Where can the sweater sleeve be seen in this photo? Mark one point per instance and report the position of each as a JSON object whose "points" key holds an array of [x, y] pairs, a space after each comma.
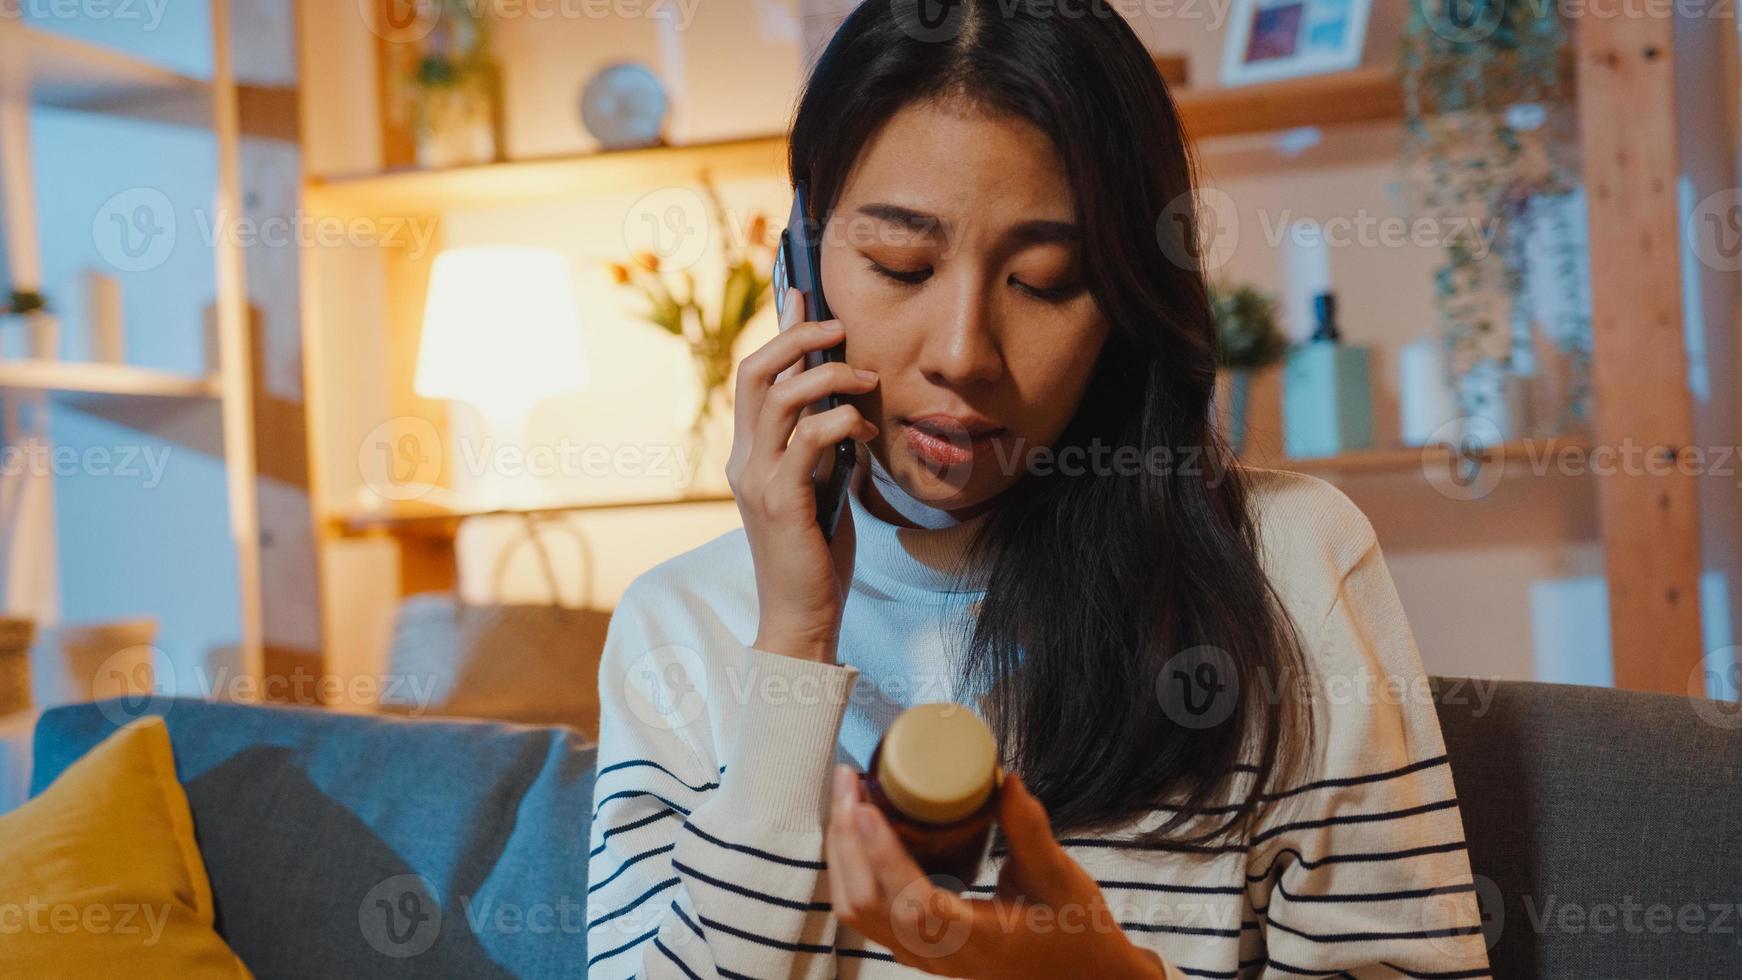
{"points": [[1362, 870], [703, 866]]}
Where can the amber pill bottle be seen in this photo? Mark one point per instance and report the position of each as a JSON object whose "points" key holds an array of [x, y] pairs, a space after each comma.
{"points": [[935, 776]]}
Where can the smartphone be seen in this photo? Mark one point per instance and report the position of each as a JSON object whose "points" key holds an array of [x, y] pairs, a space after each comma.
{"points": [[798, 264]]}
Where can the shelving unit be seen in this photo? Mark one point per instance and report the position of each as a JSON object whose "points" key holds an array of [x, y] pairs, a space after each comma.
{"points": [[49, 69], [1624, 79], [113, 380], [194, 420], [1356, 96]]}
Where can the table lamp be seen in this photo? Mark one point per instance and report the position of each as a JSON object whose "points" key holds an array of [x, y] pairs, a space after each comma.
{"points": [[501, 330]]}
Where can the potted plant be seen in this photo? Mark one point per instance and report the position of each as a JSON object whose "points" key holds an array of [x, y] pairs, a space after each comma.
{"points": [[712, 334], [29, 310], [1249, 339], [454, 89]]}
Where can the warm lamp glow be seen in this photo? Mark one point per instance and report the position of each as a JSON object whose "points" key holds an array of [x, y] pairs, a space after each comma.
{"points": [[501, 329]]}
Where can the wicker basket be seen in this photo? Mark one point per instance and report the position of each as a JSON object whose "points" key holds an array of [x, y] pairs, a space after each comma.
{"points": [[15, 634], [93, 661], [520, 662]]}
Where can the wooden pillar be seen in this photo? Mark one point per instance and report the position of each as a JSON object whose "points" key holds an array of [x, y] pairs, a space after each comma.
{"points": [[1651, 523]]}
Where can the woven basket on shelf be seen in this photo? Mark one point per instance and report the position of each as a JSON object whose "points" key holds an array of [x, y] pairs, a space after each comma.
{"points": [[93, 661], [520, 662], [15, 633]]}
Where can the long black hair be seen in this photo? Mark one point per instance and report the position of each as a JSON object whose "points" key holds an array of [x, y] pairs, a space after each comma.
{"points": [[1129, 642]]}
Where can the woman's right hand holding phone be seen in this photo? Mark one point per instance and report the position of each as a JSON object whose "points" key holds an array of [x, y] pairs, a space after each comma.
{"points": [[801, 579]]}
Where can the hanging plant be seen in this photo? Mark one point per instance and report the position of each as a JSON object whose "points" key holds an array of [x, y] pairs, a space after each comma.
{"points": [[1488, 120]]}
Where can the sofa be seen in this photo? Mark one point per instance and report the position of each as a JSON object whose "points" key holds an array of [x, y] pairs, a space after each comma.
{"points": [[1604, 829]]}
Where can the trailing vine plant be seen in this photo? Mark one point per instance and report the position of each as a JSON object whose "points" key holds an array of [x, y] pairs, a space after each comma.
{"points": [[1490, 153]]}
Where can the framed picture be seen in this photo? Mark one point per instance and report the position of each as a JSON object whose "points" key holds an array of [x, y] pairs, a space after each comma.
{"points": [[1271, 39]]}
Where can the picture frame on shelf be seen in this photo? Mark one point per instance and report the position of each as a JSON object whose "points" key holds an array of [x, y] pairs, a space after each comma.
{"points": [[1269, 40]]}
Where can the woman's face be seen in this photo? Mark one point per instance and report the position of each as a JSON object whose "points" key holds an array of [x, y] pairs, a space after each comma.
{"points": [[953, 259]]}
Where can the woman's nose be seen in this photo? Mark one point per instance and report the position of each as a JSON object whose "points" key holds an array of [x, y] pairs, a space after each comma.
{"points": [[962, 349]]}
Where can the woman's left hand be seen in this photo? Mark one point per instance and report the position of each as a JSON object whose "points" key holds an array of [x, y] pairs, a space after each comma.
{"points": [[1047, 918]]}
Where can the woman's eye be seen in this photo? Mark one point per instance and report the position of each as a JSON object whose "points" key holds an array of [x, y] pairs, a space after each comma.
{"points": [[1051, 294], [910, 278]]}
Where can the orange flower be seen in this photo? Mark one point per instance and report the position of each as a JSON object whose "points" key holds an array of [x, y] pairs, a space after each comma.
{"points": [[758, 229], [620, 273], [648, 261]]}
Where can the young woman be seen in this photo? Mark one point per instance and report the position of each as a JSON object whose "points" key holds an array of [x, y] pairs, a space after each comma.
{"points": [[1224, 761]]}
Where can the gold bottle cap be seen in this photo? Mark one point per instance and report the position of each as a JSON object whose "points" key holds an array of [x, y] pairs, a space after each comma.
{"points": [[938, 763]]}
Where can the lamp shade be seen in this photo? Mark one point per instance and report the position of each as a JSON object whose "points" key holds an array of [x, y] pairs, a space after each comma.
{"points": [[501, 329]]}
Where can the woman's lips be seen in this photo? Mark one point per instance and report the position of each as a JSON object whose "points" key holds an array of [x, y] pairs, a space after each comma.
{"points": [[951, 449]]}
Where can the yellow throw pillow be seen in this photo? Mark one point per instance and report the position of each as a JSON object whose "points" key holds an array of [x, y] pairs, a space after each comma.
{"points": [[100, 875]]}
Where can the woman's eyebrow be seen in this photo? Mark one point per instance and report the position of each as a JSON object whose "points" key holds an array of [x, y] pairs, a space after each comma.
{"points": [[1034, 232]]}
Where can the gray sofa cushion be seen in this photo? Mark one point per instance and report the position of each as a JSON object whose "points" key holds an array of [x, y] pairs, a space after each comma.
{"points": [[1607, 824], [344, 846]]}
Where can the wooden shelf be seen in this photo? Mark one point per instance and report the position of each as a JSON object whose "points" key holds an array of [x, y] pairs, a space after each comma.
{"points": [[1417, 458], [50, 69], [416, 519], [525, 181], [1355, 96], [1359, 95], [111, 380]]}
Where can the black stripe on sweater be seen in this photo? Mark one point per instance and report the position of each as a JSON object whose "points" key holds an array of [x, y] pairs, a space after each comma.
{"points": [[632, 763], [754, 852], [1192, 971], [768, 941], [865, 954], [785, 903], [1143, 886], [685, 919], [644, 821], [1137, 845], [1364, 937], [1378, 777], [1447, 975], [1372, 856], [693, 975], [1376, 896], [630, 794], [1179, 930], [627, 863], [633, 904], [631, 944], [1348, 818]]}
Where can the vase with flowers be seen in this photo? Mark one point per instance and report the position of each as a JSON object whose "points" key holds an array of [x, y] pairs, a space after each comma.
{"points": [[674, 305]]}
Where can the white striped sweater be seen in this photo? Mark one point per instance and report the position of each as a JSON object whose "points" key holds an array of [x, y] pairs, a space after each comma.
{"points": [[715, 760]]}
